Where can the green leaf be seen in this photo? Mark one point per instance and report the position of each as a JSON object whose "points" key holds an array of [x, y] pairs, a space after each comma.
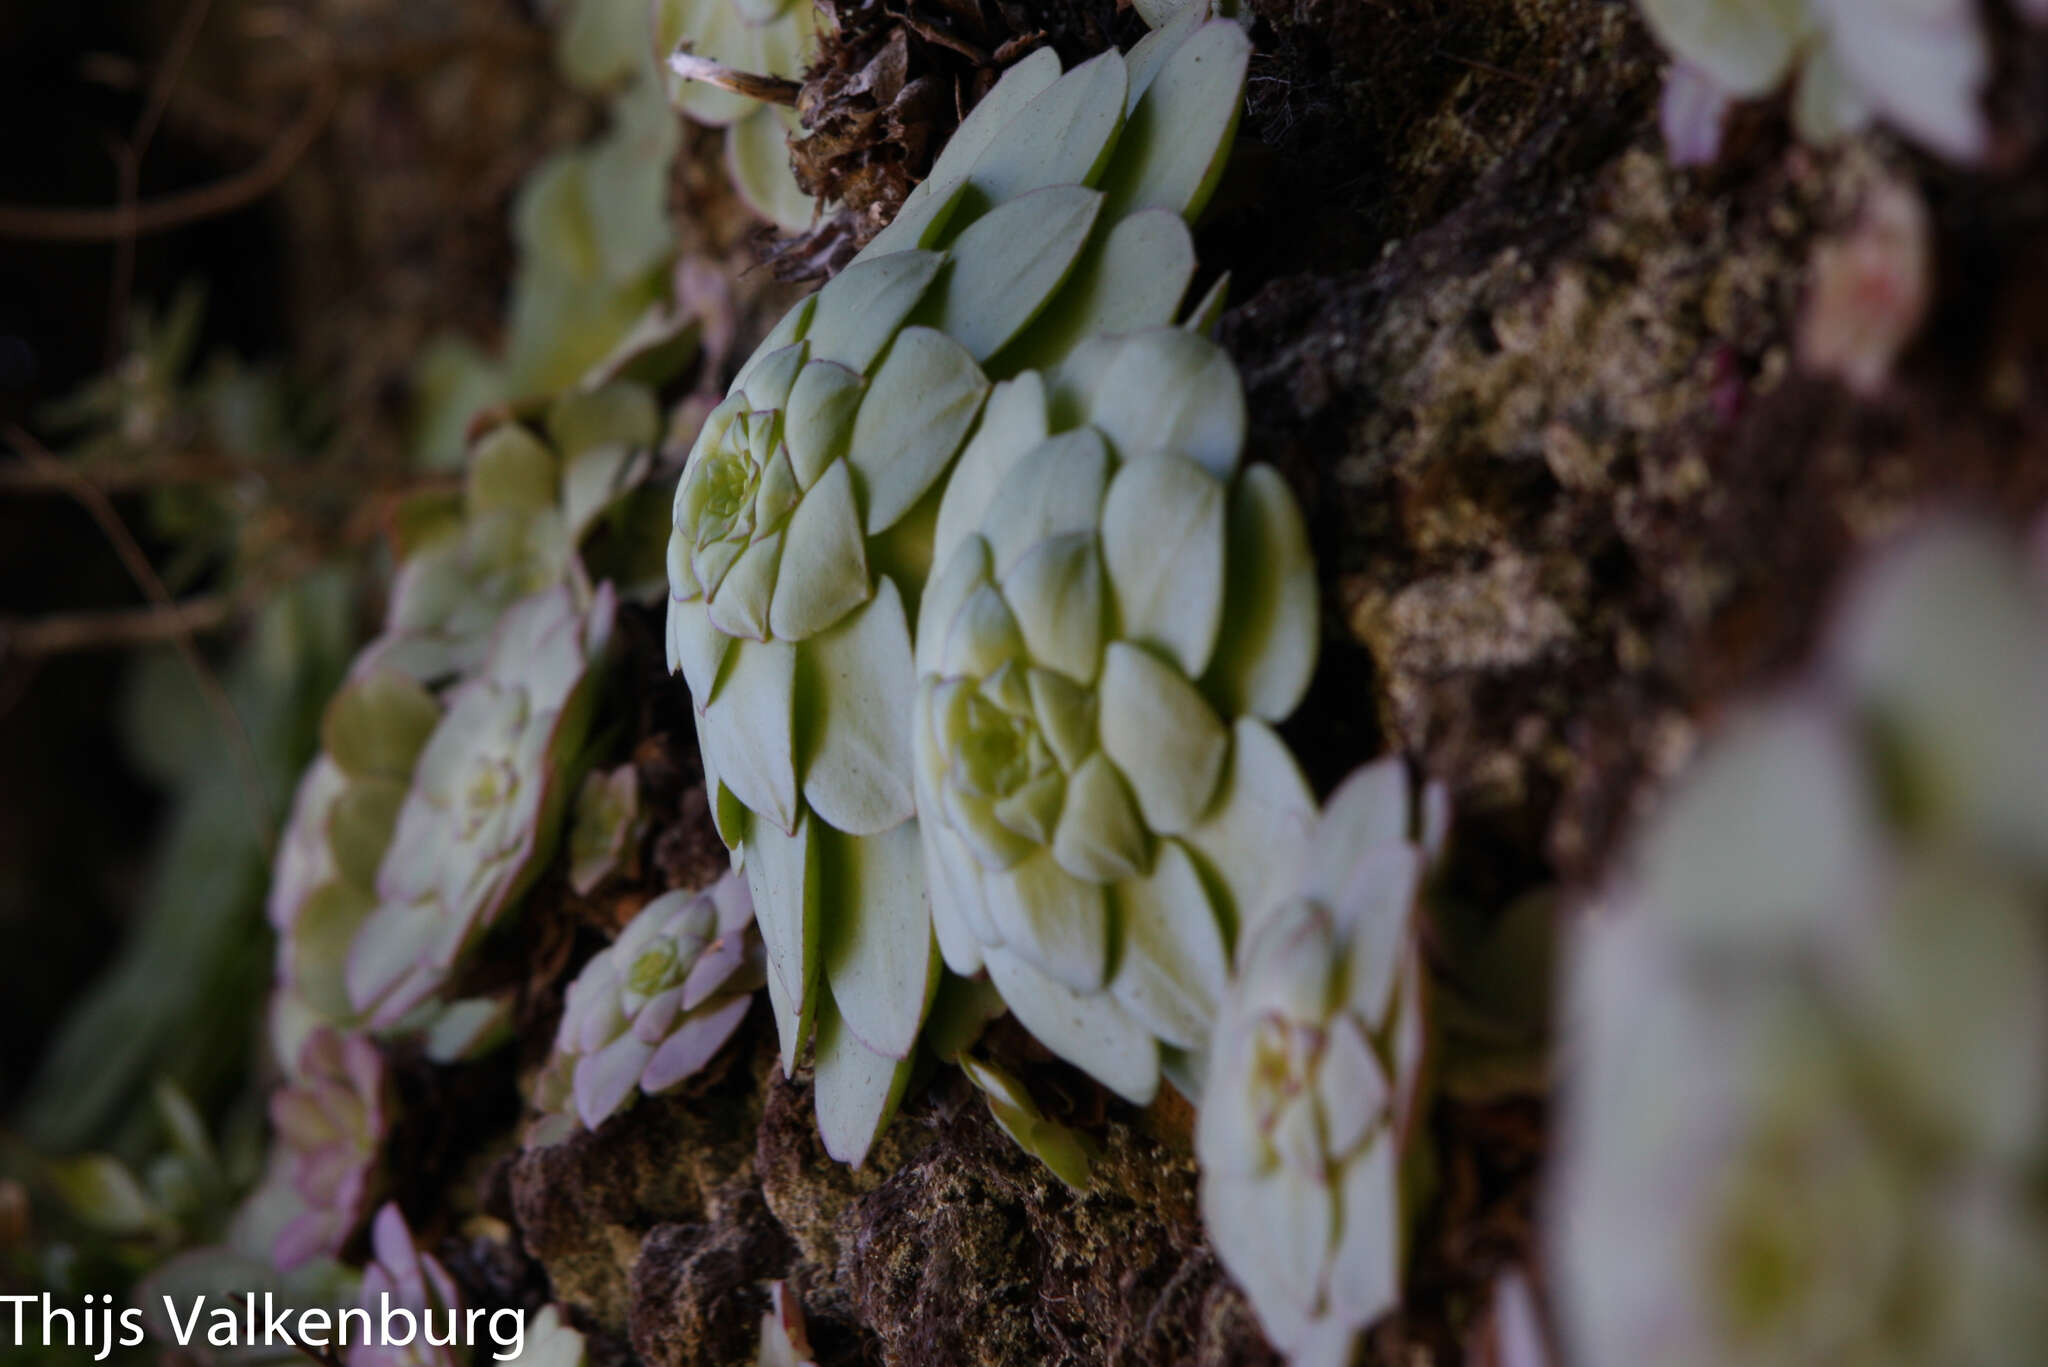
{"points": [[961, 575], [1255, 837], [1009, 264], [1173, 966], [1064, 136], [1130, 278], [1054, 489], [926, 212], [749, 726], [617, 414], [1208, 311], [793, 328], [782, 878], [1174, 148], [961, 1009], [1013, 421], [770, 377], [857, 315], [1088, 1029], [918, 411], [1163, 543], [993, 113], [879, 958], [857, 1089], [1057, 594], [510, 468], [1164, 737], [744, 598], [101, 1191], [855, 691], [360, 826], [696, 648], [1056, 1146], [1267, 653], [377, 725], [818, 423], [757, 160], [1100, 836], [1165, 390], [1053, 919]]}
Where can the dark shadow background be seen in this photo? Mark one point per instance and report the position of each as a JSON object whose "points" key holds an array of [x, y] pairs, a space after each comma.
{"points": [[76, 819]]}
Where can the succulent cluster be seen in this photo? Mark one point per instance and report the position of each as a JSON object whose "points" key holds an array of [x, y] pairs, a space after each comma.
{"points": [[652, 1008], [806, 517], [759, 38], [1810, 1103], [1315, 1078], [330, 1119], [1919, 65], [1118, 613]]}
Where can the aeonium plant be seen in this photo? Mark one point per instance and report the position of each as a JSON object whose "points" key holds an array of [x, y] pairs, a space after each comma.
{"points": [[652, 1008], [805, 516], [1316, 1075], [1119, 616], [774, 38], [330, 1117], [486, 803]]}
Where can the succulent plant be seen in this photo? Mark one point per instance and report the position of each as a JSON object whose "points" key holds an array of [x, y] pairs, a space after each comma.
{"points": [[1920, 65], [1810, 1099], [486, 801], [323, 884], [774, 38], [1315, 1077], [655, 1006], [412, 1281], [1119, 614], [804, 517], [600, 836], [330, 1119]]}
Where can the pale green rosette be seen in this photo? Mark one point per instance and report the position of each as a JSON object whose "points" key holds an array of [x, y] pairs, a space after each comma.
{"points": [[486, 802], [805, 517], [1808, 1109], [1120, 615], [1317, 1073]]}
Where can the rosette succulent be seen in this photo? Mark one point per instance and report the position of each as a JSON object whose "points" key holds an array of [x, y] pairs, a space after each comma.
{"points": [[1119, 613], [330, 1119], [1316, 1075], [1919, 65], [407, 1279], [487, 799], [805, 516], [656, 1005], [323, 884], [776, 38], [1810, 1036]]}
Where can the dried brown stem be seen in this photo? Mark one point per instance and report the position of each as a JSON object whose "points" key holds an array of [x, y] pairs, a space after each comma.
{"points": [[767, 89], [67, 633]]}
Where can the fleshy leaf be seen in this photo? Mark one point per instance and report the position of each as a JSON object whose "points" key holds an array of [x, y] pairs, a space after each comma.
{"points": [[1267, 652], [1162, 390], [1057, 594], [1063, 137], [1052, 490], [1255, 837], [750, 728], [918, 410], [1163, 542], [1164, 737], [824, 573], [1130, 278], [1100, 836], [818, 423], [1178, 138], [857, 1089], [855, 691], [1009, 264], [696, 648], [1087, 1029], [859, 312], [878, 953], [1059, 1148], [1174, 965], [963, 573], [757, 159], [741, 605], [1013, 421], [782, 878], [1052, 918], [793, 327], [377, 725], [510, 468]]}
